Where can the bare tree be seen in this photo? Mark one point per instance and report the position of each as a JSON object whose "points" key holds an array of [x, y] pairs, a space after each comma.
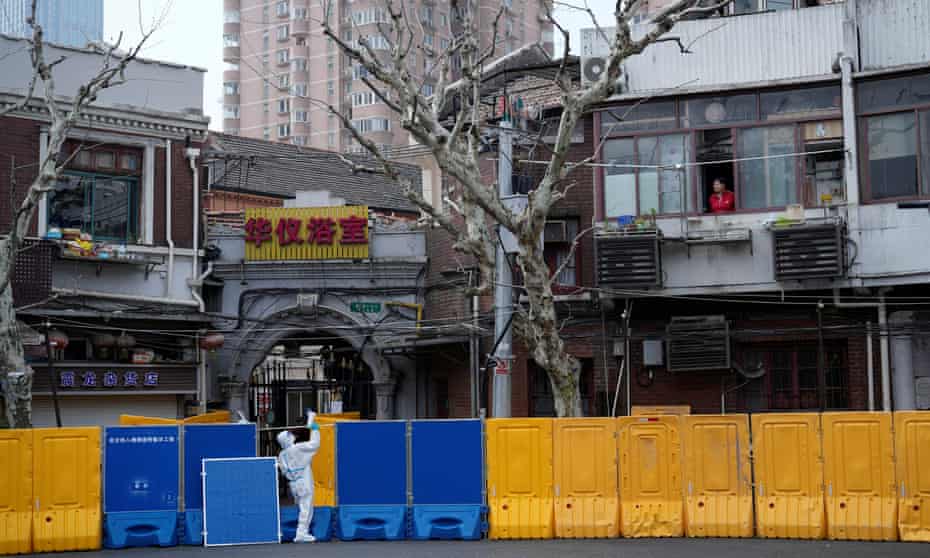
{"points": [[456, 148], [62, 115]]}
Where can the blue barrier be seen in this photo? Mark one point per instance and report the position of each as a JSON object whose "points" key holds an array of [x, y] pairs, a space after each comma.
{"points": [[447, 475], [141, 481], [209, 441], [240, 498], [371, 480], [321, 526]]}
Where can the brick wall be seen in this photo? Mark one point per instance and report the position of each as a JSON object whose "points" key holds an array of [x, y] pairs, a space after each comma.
{"points": [[182, 196], [19, 147]]}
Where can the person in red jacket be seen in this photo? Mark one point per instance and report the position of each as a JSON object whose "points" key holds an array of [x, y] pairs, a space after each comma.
{"points": [[722, 200]]}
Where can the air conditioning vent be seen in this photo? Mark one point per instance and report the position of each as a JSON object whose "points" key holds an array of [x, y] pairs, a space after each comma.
{"points": [[698, 343], [32, 274], [811, 251], [629, 261]]}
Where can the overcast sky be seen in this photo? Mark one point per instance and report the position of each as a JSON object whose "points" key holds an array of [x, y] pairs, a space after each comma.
{"points": [[193, 31]]}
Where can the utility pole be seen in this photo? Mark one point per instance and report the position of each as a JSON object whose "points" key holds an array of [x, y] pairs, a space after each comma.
{"points": [[474, 357], [503, 292]]}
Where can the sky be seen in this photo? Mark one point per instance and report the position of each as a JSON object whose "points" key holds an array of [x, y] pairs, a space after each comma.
{"points": [[192, 34]]}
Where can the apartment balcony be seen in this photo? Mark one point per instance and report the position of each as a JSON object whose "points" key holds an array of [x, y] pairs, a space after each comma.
{"points": [[231, 27], [231, 53], [231, 75], [300, 27], [231, 99]]}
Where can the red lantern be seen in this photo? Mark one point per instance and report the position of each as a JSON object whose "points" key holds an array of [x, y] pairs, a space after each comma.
{"points": [[58, 339], [212, 341]]}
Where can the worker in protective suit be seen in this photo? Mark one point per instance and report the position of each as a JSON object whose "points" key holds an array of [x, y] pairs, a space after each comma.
{"points": [[294, 463]]}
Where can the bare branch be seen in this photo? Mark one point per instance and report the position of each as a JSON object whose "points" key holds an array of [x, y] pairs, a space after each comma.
{"points": [[571, 253]]}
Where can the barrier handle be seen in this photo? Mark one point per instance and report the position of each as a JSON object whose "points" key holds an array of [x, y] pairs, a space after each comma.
{"points": [[903, 491]]}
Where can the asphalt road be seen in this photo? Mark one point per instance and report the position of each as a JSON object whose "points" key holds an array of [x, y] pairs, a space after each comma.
{"points": [[625, 548]]}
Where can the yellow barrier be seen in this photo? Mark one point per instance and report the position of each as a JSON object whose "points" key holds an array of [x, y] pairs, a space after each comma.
{"points": [[678, 410], [912, 451], [67, 489], [324, 468], [15, 491], [650, 472], [519, 454], [586, 499], [718, 476], [338, 417], [789, 476], [859, 476], [214, 417]]}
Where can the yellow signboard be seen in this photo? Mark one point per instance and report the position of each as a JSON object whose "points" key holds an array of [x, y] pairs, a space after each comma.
{"points": [[306, 233]]}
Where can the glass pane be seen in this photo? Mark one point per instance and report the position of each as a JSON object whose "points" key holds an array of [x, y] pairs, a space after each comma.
{"points": [[770, 182], [802, 103], [675, 183], [648, 178], [894, 93], [67, 207], [129, 161], [717, 110], [779, 4], [925, 151], [893, 155], [106, 159], [112, 217], [619, 182], [746, 6], [658, 115]]}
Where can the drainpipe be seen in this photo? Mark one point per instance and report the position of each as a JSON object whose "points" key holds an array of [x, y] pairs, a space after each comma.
{"points": [[883, 337], [869, 365], [168, 237], [196, 280]]}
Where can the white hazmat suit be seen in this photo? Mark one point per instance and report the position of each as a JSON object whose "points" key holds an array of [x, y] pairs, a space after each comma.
{"points": [[294, 463]]}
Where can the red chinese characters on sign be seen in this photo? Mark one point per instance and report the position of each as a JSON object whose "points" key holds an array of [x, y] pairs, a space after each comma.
{"points": [[345, 229], [258, 231], [353, 230], [321, 230]]}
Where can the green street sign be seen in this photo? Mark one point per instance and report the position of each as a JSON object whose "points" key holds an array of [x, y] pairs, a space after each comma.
{"points": [[365, 307]]}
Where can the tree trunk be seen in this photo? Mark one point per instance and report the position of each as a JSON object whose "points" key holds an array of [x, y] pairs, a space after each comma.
{"points": [[542, 334], [15, 375]]}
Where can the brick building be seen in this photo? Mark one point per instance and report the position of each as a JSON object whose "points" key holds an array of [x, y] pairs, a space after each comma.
{"points": [[806, 295], [111, 263]]}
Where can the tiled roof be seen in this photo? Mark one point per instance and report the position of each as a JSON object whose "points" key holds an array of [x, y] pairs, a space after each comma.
{"points": [[280, 169]]}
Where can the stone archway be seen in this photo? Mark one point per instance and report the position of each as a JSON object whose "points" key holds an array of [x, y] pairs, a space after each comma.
{"points": [[248, 348]]}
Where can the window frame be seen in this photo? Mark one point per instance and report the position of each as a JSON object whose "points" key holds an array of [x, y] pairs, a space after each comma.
{"points": [[864, 171], [734, 128], [134, 180]]}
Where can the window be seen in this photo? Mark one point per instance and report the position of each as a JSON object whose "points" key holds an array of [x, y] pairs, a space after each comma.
{"points": [[713, 111], [330, 88], [231, 67], [264, 62], [265, 107], [230, 111], [541, 390], [231, 16], [231, 88], [266, 89], [300, 90], [283, 56], [364, 98], [558, 236], [428, 39], [629, 190], [299, 64], [443, 21], [284, 105], [300, 41], [231, 39], [300, 116], [817, 102], [366, 125], [300, 13], [283, 32], [359, 72], [266, 41], [892, 155], [284, 130], [331, 139], [426, 15], [129, 162], [104, 206], [444, 44], [769, 182], [428, 89], [377, 42], [658, 115], [105, 159], [284, 81], [894, 94], [791, 382], [281, 9], [266, 134]]}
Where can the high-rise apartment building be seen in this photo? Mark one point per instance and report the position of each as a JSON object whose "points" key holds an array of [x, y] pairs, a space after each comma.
{"points": [[65, 22], [282, 72]]}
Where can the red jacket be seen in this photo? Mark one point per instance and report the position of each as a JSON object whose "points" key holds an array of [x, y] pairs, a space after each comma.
{"points": [[722, 202]]}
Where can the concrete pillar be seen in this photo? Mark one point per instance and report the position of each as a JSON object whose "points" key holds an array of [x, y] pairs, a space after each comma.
{"points": [[902, 359], [384, 397], [236, 396]]}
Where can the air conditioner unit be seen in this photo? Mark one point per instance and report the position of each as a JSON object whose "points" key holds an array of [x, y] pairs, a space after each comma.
{"points": [[698, 343], [592, 67]]}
